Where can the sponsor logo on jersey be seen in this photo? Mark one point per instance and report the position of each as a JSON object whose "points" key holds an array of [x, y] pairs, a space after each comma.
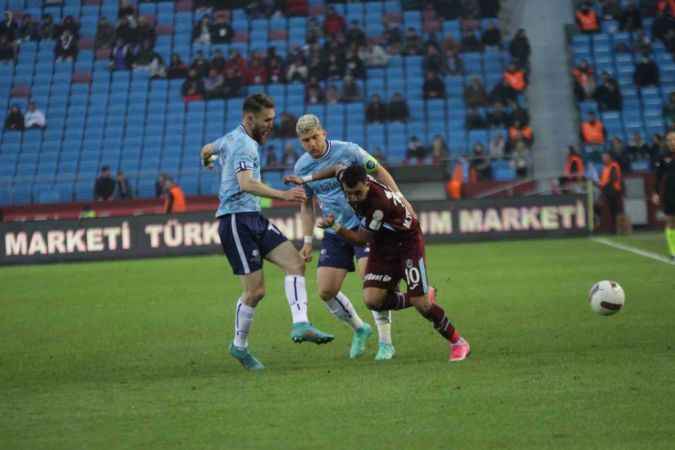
{"points": [[377, 277]]}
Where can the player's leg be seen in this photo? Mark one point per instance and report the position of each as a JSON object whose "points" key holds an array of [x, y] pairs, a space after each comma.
{"points": [[670, 233], [335, 261], [253, 291], [287, 257], [238, 242], [385, 347], [420, 296], [329, 282]]}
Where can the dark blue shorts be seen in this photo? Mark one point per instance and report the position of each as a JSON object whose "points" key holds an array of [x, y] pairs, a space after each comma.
{"points": [[246, 239], [339, 253]]}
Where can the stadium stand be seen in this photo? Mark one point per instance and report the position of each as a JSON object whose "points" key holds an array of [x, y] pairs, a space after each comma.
{"points": [[139, 122], [628, 35]]}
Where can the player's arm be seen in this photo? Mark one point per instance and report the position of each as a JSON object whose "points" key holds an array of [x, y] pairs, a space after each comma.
{"points": [[206, 153], [307, 220], [248, 184], [383, 176], [358, 237], [330, 172]]}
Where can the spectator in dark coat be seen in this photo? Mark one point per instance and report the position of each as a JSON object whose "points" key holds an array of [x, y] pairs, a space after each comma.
{"points": [[9, 27], [492, 37], [122, 187], [105, 34], [661, 25], [520, 48], [7, 49], [29, 29], [397, 110], [201, 32], [470, 42], [475, 94], [499, 117], [200, 65], [104, 187], [221, 30], [177, 68], [608, 94], [47, 27], [646, 73], [14, 120], [631, 19], [475, 120], [433, 86], [66, 47], [193, 88], [376, 111]]}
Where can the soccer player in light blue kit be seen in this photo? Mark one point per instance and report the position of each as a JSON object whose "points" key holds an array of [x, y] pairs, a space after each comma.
{"points": [[337, 255], [247, 236]]}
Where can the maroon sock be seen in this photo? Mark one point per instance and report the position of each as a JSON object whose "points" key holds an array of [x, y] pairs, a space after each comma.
{"points": [[442, 324], [396, 300]]}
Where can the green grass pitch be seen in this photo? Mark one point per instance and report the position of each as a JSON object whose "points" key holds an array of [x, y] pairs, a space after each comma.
{"points": [[132, 355]]}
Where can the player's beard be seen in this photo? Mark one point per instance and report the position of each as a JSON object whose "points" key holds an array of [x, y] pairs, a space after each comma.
{"points": [[260, 134]]}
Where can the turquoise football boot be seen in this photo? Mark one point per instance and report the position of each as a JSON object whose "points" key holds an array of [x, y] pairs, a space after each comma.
{"points": [[385, 352], [359, 341], [245, 358], [305, 332]]}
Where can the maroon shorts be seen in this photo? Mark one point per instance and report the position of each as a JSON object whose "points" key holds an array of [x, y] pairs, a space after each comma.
{"points": [[388, 265]]}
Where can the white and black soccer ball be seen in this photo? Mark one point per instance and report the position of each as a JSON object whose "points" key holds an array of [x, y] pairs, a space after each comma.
{"points": [[606, 297]]}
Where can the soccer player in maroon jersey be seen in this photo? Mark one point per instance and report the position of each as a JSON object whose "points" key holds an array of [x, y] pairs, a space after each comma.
{"points": [[396, 251]]}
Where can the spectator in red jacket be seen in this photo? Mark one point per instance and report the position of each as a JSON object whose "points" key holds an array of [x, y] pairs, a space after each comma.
{"points": [[334, 22]]}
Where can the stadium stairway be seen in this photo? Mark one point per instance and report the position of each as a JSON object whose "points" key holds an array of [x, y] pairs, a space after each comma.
{"points": [[550, 93]]}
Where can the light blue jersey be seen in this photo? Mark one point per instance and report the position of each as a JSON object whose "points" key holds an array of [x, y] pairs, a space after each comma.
{"points": [[237, 151], [329, 192]]}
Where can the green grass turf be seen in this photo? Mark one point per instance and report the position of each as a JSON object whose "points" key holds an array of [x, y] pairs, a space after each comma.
{"points": [[653, 241], [132, 355]]}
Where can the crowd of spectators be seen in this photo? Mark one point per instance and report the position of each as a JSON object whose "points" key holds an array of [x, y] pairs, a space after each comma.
{"points": [[606, 91], [16, 120], [590, 15], [14, 30]]}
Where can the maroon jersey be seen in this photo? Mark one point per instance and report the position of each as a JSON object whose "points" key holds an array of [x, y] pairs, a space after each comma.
{"points": [[384, 213]]}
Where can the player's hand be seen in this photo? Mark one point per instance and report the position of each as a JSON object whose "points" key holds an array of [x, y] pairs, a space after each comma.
{"points": [[208, 161], [295, 195], [655, 199], [326, 222], [292, 179], [306, 252]]}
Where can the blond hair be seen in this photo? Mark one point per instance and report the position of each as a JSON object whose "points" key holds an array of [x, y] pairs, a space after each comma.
{"points": [[307, 124]]}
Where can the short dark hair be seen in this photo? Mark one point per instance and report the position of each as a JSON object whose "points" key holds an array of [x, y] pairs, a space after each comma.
{"points": [[257, 102], [353, 175]]}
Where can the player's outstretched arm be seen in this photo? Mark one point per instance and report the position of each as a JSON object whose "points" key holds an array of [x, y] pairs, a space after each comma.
{"points": [[358, 237], [248, 184], [330, 172], [307, 220]]}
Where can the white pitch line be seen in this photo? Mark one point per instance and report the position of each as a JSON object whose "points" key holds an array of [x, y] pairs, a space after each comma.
{"points": [[637, 251]]}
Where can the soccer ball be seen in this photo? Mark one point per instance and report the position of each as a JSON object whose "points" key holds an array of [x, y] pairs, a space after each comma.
{"points": [[606, 297]]}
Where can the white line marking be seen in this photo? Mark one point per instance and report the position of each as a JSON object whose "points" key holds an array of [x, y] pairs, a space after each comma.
{"points": [[637, 251]]}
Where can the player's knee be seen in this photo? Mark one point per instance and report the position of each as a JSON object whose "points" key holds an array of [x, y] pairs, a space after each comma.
{"points": [[296, 266], [327, 292], [255, 295], [374, 301]]}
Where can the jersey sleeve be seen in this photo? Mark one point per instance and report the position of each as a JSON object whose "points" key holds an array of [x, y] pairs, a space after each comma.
{"points": [[360, 156], [245, 158], [219, 145]]}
